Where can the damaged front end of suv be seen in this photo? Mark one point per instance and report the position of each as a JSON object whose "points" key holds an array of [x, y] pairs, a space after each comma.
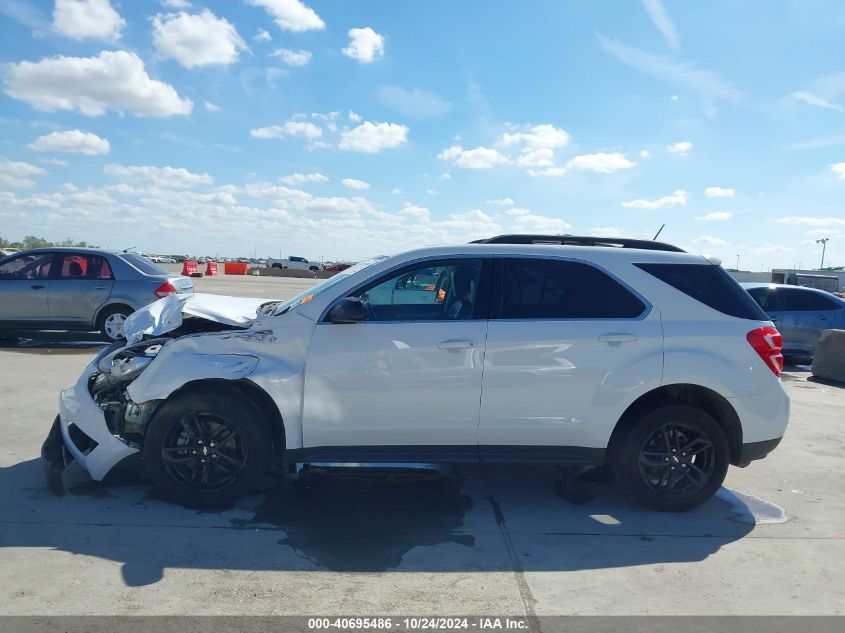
{"points": [[104, 418]]}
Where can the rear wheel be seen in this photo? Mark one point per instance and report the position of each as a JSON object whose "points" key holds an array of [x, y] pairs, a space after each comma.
{"points": [[206, 449], [111, 322], [673, 458]]}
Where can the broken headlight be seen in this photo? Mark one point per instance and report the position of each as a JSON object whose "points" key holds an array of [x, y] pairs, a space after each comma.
{"points": [[127, 362]]}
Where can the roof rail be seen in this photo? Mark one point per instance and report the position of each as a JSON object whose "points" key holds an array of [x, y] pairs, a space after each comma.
{"points": [[580, 240]]}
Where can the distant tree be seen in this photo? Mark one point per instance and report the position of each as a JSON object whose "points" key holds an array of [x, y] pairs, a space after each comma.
{"points": [[32, 241]]}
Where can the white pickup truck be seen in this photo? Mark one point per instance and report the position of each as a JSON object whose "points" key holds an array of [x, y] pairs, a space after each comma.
{"points": [[294, 263]]}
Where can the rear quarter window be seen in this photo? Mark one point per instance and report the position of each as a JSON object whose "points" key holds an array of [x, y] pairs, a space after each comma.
{"points": [[708, 284]]}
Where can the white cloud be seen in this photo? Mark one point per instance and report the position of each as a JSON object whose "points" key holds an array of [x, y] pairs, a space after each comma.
{"points": [[814, 100], [478, 158], [518, 211], [677, 199], [292, 57], [352, 183], [531, 223], [645, 153], [606, 231], [365, 45], [71, 141], [715, 216], [18, 174], [681, 148], [414, 103], [196, 40], [708, 85], [212, 107], [839, 170], [419, 214], [812, 221], [658, 14], [84, 19], [551, 172], [159, 176], [502, 202], [719, 192], [176, 4], [601, 162], [262, 35], [291, 128], [337, 205], [539, 157], [372, 138], [291, 15], [772, 249], [54, 161], [709, 240], [354, 116], [113, 80], [544, 135], [298, 179]]}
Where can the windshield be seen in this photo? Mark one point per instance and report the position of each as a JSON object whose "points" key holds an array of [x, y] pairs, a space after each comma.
{"points": [[274, 308], [144, 265]]}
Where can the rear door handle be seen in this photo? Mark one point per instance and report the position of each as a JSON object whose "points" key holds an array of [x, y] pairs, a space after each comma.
{"points": [[101, 287], [38, 287], [617, 338], [456, 344]]}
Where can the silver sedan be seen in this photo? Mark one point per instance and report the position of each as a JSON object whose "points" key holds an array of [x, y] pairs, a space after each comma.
{"points": [[80, 289]]}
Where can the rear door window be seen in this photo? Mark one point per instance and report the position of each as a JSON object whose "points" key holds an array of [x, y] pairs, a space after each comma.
{"points": [[709, 284], [560, 289], [767, 298], [795, 300]]}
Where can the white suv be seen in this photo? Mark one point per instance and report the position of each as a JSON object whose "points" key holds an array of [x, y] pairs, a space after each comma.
{"points": [[569, 350]]}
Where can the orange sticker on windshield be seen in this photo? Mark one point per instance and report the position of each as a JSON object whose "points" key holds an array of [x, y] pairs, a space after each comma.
{"points": [[306, 299]]}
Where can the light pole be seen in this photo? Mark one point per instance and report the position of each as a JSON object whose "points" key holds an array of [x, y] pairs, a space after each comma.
{"points": [[823, 242], [737, 262]]}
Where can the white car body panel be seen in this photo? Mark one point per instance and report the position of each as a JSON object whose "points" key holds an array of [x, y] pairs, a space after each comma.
{"points": [[524, 383], [165, 315], [401, 383], [554, 383]]}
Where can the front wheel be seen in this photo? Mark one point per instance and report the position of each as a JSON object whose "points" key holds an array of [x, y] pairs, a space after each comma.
{"points": [[673, 459], [206, 449]]}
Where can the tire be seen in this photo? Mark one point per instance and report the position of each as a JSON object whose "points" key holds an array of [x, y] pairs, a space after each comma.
{"points": [[652, 466], [314, 269], [279, 266], [110, 322], [183, 460]]}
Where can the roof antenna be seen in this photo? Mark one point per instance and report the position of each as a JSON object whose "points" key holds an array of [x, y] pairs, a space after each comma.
{"points": [[658, 232]]}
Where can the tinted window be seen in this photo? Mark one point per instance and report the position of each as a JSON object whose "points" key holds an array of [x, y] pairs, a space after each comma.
{"points": [[144, 265], [766, 298], [555, 289], [438, 290], [27, 267], [710, 285], [805, 301]]}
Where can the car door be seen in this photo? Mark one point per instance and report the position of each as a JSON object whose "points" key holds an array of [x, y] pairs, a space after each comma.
{"points": [[25, 287], [568, 348], [806, 314], [410, 373], [81, 284]]}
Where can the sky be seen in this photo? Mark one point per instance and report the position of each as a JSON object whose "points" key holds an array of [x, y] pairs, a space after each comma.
{"points": [[342, 129]]}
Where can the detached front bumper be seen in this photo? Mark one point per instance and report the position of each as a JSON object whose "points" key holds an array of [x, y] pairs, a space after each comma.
{"points": [[85, 436]]}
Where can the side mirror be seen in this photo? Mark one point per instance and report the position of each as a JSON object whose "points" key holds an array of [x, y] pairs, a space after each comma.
{"points": [[348, 310]]}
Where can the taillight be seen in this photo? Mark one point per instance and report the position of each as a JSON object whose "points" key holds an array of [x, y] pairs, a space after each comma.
{"points": [[165, 290], [768, 342]]}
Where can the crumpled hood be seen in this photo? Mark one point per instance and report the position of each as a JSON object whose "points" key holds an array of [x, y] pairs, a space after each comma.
{"points": [[165, 315]]}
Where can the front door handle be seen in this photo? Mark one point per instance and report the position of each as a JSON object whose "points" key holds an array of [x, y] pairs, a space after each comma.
{"points": [[617, 338], [38, 287], [456, 344], [101, 287]]}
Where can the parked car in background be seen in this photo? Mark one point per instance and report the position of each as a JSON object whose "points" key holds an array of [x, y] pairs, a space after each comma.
{"points": [[595, 350], [293, 263], [5, 252], [80, 289], [800, 314]]}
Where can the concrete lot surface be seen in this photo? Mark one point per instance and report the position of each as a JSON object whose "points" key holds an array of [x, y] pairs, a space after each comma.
{"points": [[458, 540]]}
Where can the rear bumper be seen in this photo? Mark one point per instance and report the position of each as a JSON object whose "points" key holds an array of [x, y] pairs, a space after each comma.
{"points": [[84, 432], [757, 450]]}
